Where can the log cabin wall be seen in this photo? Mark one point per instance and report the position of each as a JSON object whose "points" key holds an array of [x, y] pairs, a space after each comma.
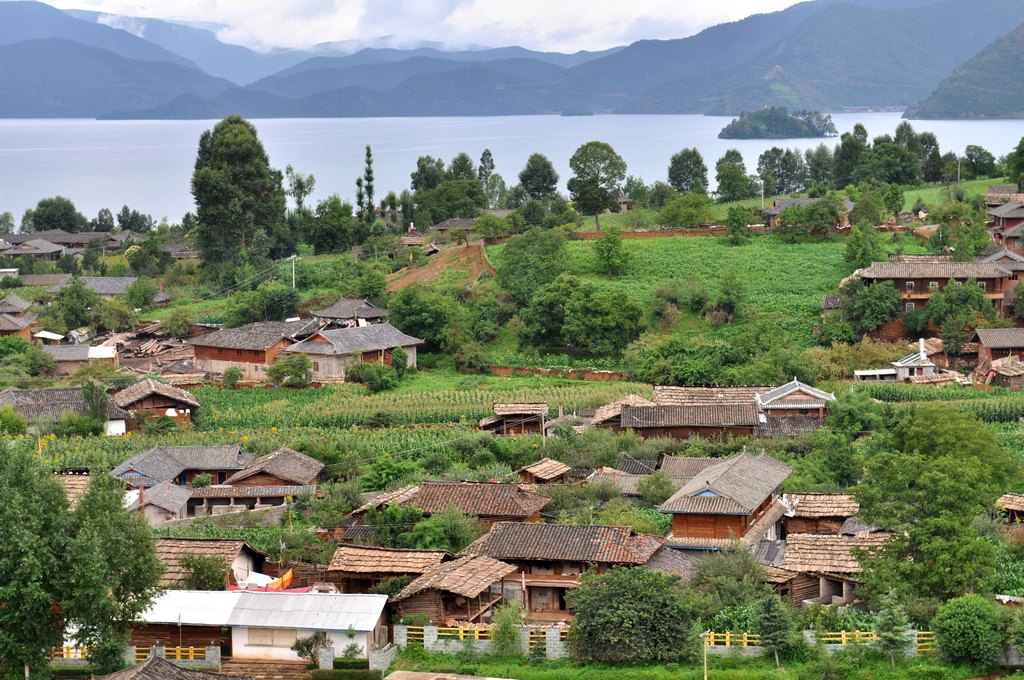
{"points": [[152, 634]]}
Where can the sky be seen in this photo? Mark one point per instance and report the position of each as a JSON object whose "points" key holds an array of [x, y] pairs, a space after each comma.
{"points": [[552, 25]]}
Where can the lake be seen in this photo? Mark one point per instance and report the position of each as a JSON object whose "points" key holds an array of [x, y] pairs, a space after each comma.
{"points": [[148, 164]]}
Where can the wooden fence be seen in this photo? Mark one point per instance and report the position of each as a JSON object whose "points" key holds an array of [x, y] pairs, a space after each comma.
{"points": [[415, 635], [924, 641], [173, 653], [69, 653]]}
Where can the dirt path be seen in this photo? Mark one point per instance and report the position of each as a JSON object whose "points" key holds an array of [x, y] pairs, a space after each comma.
{"points": [[471, 258]]}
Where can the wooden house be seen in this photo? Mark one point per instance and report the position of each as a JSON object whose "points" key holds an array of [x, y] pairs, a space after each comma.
{"points": [[794, 399], [1008, 259], [252, 347], [149, 400], [818, 513], [453, 593], [357, 568], [1007, 221], [15, 319], [331, 352], [36, 248], [510, 419], [686, 468], [918, 281], [220, 499], [544, 471], [41, 408], [347, 312], [72, 358], [106, 287], [824, 569], [549, 559], [161, 503], [916, 365], [610, 415], [1012, 504], [998, 194], [736, 500], [240, 560], [780, 205], [999, 343], [181, 464], [281, 468]]}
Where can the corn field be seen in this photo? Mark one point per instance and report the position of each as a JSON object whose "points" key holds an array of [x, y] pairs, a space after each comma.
{"points": [[898, 392], [349, 405]]}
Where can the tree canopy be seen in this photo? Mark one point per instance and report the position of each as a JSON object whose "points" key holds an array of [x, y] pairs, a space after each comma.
{"points": [[598, 173]]}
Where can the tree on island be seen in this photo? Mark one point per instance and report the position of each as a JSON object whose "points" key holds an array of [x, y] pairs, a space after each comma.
{"points": [[598, 173]]}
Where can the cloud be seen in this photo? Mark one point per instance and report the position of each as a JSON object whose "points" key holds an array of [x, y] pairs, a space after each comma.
{"points": [[559, 25]]}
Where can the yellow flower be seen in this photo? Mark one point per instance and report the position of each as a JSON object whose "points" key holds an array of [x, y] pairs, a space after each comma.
{"points": [[273, 429]]}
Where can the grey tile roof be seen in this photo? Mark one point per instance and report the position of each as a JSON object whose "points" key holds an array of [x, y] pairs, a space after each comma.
{"points": [[12, 304], [256, 336], [1001, 338], [343, 341], [935, 270], [252, 491], [348, 308], [165, 463], [782, 204], [1008, 211], [52, 403], [711, 415], [148, 387], [680, 466], [105, 285], [33, 247], [168, 496], [9, 322], [67, 352], [22, 237], [812, 398], [156, 668], [565, 542], [736, 486], [285, 464]]}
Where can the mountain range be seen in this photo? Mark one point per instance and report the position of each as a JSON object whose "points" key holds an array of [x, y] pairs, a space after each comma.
{"points": [[823, 54]]}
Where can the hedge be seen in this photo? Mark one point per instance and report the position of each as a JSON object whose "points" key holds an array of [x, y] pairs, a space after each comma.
{"points": [[347, 674], [348, 664]]}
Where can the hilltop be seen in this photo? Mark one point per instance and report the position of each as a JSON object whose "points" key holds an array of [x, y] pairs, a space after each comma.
{"points": [[990, 85]]}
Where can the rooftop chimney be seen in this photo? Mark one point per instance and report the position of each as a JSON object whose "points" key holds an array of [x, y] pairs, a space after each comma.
{"points": [[920, 349]]}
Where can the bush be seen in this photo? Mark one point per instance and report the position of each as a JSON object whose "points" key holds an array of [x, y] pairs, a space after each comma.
{"points": [[232, 375], [202, 480], [400, 362], [203, 572], [308, 648], [75, 425], [507, 633], [178, 323], [291, 370], [376, 377], [347, 674], [928, 672], [11, 422], [351, 664], [968, 630]]}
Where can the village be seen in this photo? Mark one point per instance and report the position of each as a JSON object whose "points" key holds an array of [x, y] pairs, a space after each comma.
{"points": [[700, 477]]}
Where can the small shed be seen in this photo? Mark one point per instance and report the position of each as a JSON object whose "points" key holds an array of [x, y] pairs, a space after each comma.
{"points": [[1013, 505], [819, 513], [826, 568], [510, 419], [149, 399], [465, 590], [545, 471]]}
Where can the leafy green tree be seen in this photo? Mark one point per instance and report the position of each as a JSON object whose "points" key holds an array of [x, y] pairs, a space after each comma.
{"points": [[376, 377], [57, 212], [292, 370], [429, 173], [179, 322], [34, 563], [737, 225], [868, 307], [399, 362], [461, 168], [507, 627], [891, 625], [452, 198], [451, 530], [133, 220], [774, 625], [232, 375], [728, 578], [7, 222], [820, 165], [979, 163], [852, 145], [240, 200], [300, 186], [965, 304], [631, 615], [598, 173], [688, 211], [894, 200], [733, 183], [538, 178], [687, 172], [968, 630], [367, 211], [941, 469], [331, 227], [530, 261], [603, 323], [141, 293], [74, 302], [657, 488], [485, 170], [864, 245], [490, 227], [612, 256], [421, 313], [1015, 165], [391, 523], [203, 572]]}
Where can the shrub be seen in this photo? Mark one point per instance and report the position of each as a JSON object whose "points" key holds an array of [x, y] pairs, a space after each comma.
{"points": [[347, 674], [415, 620], [390, 586], [656, 489], [232, 375], [202, 480], [308, 648], [400, 362], [343, 663], [11, 422], [507, 631], [968, 630], [376, 377], [291, 370], [203, 572], [178, 323], [74, 425]]}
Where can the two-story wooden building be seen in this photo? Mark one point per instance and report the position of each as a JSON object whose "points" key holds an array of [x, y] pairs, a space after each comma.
{"points": [[1007, 225], [918, 281], [252, 347], [149, 399], [734, 501]]}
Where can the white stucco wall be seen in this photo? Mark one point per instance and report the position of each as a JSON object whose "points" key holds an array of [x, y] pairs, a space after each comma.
{"points": [[115, 428], [241, 649]]}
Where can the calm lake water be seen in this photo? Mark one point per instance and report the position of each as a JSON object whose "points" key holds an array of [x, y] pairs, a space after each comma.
{"points": [[148, 164]]}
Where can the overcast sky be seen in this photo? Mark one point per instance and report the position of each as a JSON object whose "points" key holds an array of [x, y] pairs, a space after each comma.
{"points": [[556, 25]]}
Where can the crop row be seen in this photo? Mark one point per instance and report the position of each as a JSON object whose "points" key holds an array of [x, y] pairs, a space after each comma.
{"points": [[899, 392]]}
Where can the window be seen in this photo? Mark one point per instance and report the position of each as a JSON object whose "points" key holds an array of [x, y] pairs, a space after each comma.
{"points": [[316, 366], [238, 352], [910, 285], [933, 284], [959, 283], [271, 637], [981, 284], [910, 306]]}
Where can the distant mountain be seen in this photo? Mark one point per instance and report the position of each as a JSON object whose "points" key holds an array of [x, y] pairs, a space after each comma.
{"points": [[382, 76], [57, 78], [844, 55], [238, 64], [990, 85], [21, 21]]}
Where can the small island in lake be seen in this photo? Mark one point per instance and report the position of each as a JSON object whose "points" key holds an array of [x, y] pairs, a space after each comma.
{"points": [[778, 123]]}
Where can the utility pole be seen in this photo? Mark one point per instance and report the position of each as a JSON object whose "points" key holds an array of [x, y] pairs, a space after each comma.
{"points": [[293, 258]]}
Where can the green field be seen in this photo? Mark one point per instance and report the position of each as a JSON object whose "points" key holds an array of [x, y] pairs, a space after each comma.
{"points": [[936, 194]]}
